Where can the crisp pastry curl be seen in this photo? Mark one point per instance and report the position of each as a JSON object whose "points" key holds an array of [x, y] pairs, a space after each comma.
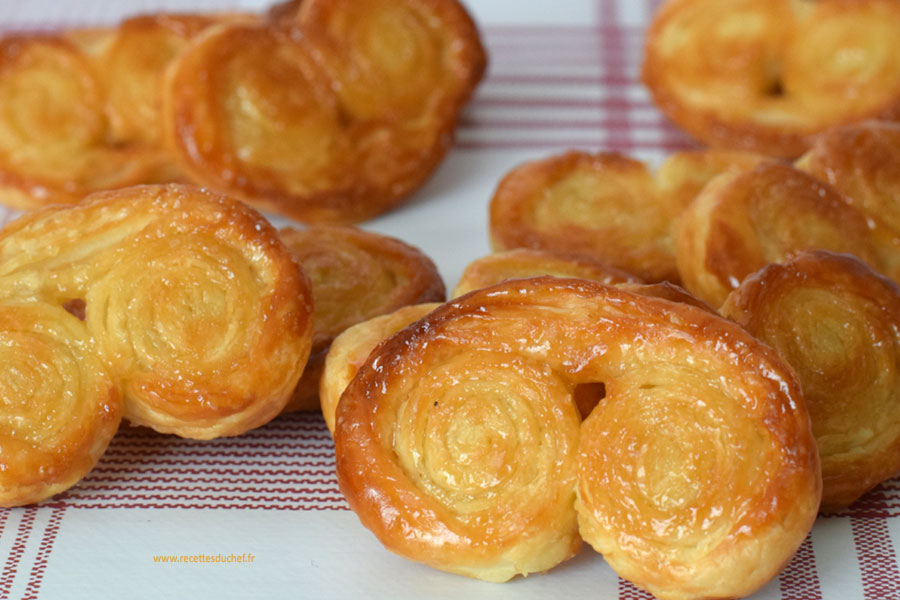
{"points": [[352, 347], [58, 407], [55, 146], [605, 206], [332, 115], [459, 444], [355, 275], [862, 161], [131, 66], [743, 220], [526, 262], [765, 75], [835, 321], [199, 311], [397, 60]]}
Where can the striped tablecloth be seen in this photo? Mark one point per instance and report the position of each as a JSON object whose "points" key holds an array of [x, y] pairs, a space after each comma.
{"points": [[562, 75]]}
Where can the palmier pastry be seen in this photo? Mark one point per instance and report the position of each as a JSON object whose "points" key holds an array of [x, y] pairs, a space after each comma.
{"points": [[355, 275], [55, 146], [131, 66], [198, 310], [605, 206], [459, 444], [767, 74], [58, 407], [320, 119], [397, 60], [526, 262], [835, 321], [744, 220], [352, 347], [862, 161]]}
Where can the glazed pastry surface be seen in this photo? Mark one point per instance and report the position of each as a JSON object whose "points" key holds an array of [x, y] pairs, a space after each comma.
{"points": [[765, 75], [352, 347], [835, 321], [198, 311], [355, 275], [59, 408], [459, 444], [742, 221], [604, 206], [862, 161]]}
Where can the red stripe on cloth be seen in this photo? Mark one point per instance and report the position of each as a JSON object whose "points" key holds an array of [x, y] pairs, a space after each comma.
{"points": [[43, 555], [611, 41], [314, 504], [629, 591], [800, 579], [877, 559], [11, 568]]}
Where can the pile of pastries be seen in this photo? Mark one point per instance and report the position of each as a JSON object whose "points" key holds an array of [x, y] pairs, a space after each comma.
{"points": [[573, 390], [322, 111], [680, 366]]}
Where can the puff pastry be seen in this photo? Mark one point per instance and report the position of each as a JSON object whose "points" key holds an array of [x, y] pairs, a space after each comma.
{"points": [[862, 161], [352, 347], [767, 74], [55, 146], [605, 206], [835, 321], [59, 408], [459, 445], [131, 65], [526, 262], [355, 275], [742, 221], [210, 334], [334, 116]]}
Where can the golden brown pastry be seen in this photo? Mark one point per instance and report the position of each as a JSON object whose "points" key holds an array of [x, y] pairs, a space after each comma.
{"points": [[765, 75], [198, 310], [862, 161], [459, 444], [526, 262], [131, 67], [836, 322], [335, 115], [598, 205], [55, 146], [396, 60], [352, 347], [667, 291], [58, 407], [355, 275], [744, 220], [605, 206]]}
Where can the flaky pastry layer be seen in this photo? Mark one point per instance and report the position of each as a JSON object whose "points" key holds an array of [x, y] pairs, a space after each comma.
{"points": [[835, 321], [196, 308], [765, 75], [355, 275], [743, 220], [605, 206], [459, 443]]}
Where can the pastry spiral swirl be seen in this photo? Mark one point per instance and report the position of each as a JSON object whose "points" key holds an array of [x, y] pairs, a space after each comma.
{"points": [[60, 408], [605, 206], [459, 444], [744, 220], [55, 146], [355, 275], [211, 333], [766, 75], [835, 321], [352, 347]]}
